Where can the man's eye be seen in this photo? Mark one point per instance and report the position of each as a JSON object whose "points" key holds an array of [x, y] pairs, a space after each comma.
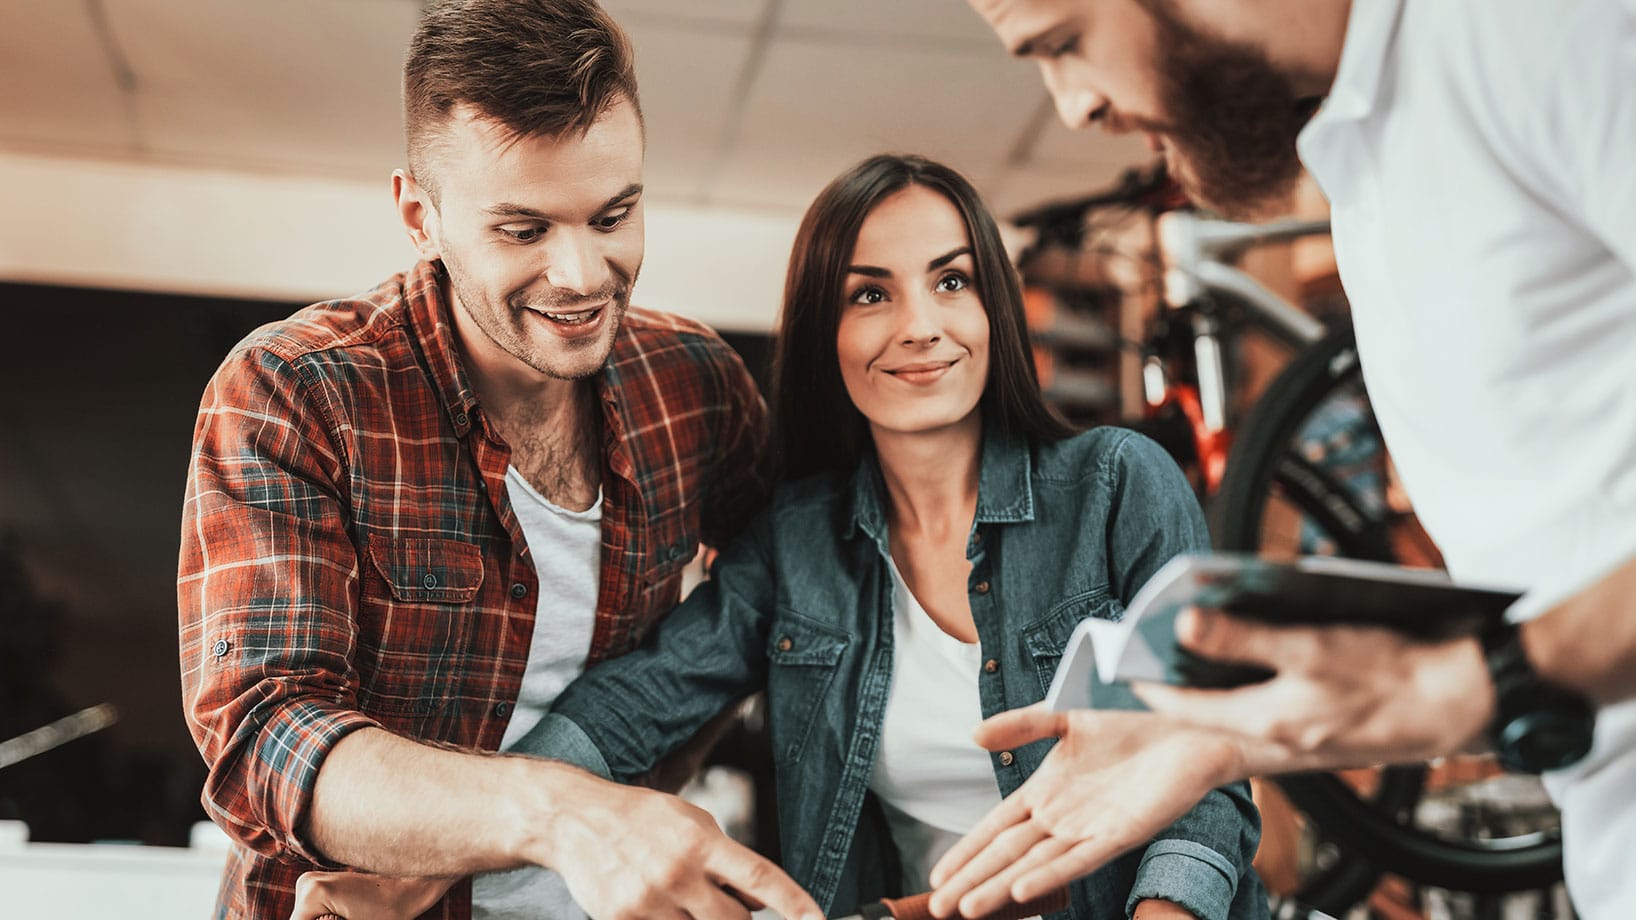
{"points": [[1067, 46], [523, 234], [611, 221]]}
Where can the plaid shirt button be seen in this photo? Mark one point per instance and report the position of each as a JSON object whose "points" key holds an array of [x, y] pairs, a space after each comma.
{"points": [[220, 648], [502, 709], [430, 581], [519, 590]]}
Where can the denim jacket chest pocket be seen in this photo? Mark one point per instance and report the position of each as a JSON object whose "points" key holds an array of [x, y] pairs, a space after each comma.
{"points": [[1046, 637], [803, 656]]}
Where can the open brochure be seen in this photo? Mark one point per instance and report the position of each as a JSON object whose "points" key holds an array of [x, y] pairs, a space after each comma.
{"points": [[1102, 656]]}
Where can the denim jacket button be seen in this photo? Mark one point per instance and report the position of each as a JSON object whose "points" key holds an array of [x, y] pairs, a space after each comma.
{"points": [[785, 644], [991, 666], [981, 587], [1006, 758]]}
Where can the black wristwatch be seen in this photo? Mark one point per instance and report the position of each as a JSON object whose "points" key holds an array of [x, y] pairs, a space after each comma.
{"points": [[1537, 727]]}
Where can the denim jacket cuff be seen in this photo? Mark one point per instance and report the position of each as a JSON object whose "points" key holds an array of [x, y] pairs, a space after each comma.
{"points": [[558, 737], [1188, 874]]}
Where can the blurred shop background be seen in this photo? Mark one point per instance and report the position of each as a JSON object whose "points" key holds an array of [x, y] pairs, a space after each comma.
{"points": [[175, 173]]}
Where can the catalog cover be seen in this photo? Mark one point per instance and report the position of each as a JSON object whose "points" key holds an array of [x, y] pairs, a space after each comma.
{"points": [[1104, 655]]}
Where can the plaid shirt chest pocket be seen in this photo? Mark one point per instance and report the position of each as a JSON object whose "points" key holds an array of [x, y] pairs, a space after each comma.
{"points": [[416, 608]]}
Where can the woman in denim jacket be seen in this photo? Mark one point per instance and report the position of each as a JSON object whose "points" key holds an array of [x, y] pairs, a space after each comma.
{"points": [[938, 534]]}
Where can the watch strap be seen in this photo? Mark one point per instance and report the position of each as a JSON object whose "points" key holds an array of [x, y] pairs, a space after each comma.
{"points": [[1537, 726]]}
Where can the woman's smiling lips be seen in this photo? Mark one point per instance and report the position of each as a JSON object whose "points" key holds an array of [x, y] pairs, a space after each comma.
{"points": [[921, 373]]}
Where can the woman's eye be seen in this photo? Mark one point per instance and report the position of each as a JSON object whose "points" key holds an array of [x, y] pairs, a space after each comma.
{"points": [[953, 282], [868, 295]]}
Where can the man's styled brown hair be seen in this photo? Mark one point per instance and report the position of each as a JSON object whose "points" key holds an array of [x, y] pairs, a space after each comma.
{"points": [[538, 67]]}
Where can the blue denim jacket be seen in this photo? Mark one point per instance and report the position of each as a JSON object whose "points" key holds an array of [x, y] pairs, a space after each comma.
{"points": [[801, 605]]}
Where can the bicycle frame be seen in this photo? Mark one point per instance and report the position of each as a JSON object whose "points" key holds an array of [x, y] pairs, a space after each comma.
{"points": [[1196, 252]]}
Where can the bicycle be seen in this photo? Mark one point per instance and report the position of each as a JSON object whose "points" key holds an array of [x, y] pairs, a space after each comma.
{"points": [[1304, 471]]}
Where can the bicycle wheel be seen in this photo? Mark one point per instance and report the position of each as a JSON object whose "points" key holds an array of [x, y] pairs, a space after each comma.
{"points": [[1309, 474]]}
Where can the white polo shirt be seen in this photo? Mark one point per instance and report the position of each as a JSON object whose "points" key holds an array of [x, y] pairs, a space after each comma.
{"points": [[1480, 161]]}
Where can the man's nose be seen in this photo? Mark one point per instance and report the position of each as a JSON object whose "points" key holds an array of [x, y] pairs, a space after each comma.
{"points": [[1078, 108], [575, 263], [1077, 105]]}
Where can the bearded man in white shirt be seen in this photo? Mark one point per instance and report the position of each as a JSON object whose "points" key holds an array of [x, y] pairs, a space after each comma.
{"points": [[1478, 157]]}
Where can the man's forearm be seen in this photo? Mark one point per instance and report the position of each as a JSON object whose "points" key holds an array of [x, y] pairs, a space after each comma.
{"points": [[1587, 643], [387, 804]]}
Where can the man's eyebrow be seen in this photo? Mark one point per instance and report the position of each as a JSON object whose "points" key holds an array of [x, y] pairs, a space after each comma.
{"points": [[1030, 46], [510, 209], [947, 257], [507, 209], [630, 191]]}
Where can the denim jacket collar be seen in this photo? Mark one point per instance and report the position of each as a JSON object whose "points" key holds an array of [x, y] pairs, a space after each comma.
{"points": [[1005, 491]]}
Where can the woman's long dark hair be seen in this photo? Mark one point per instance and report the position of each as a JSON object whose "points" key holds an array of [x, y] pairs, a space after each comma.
{"points": [[816, 428]]}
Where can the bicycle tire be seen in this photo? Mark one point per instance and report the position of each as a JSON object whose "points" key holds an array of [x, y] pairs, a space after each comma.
{"points": [[1378, 834]]}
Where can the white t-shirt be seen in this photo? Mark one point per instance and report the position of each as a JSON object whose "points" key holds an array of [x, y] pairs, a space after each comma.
{"points": [[566, 547], [1480, 161], [934, 783]]}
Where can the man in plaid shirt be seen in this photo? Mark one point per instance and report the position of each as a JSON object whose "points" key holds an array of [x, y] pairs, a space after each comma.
{"points": [[412, 516]]}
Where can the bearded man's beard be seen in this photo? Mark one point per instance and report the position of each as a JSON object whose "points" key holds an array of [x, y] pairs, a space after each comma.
{"points": [[1234, 121]]}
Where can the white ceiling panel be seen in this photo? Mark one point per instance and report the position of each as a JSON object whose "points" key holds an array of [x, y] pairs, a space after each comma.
{"points": [[936, 21], [310, 85], [57, 83], [688, 82], [816, 104]]}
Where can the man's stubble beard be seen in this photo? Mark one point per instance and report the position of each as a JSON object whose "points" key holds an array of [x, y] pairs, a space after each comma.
{"points": [[1236, 119], [505, 328]]}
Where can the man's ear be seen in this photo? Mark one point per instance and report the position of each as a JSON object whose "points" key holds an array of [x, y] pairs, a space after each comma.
{"points": [[418, 214]]}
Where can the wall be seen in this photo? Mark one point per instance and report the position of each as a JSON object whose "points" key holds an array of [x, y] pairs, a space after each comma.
{"points": [[128, 226]]}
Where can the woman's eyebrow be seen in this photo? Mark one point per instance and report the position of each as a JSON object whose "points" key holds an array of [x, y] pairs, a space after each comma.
{"points": [[947, 257]]}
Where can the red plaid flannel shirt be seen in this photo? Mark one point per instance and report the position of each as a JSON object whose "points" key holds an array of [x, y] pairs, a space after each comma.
{"points": [[349, 557]]}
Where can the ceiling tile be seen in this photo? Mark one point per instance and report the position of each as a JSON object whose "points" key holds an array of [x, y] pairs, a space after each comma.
{"points": [[742, 12], [818, 106], [310, 85], [688, 82], [59, 82], [942, 22]]}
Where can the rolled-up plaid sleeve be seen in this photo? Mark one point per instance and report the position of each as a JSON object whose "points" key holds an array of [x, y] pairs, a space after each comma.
{"points": [[267, 587]]}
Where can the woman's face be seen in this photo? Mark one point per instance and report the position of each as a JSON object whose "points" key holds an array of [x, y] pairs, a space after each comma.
{"points": [[913, 336]]}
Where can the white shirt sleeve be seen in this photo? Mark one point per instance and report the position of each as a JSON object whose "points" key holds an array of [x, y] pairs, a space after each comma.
{"points": [[1591, 107]]}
